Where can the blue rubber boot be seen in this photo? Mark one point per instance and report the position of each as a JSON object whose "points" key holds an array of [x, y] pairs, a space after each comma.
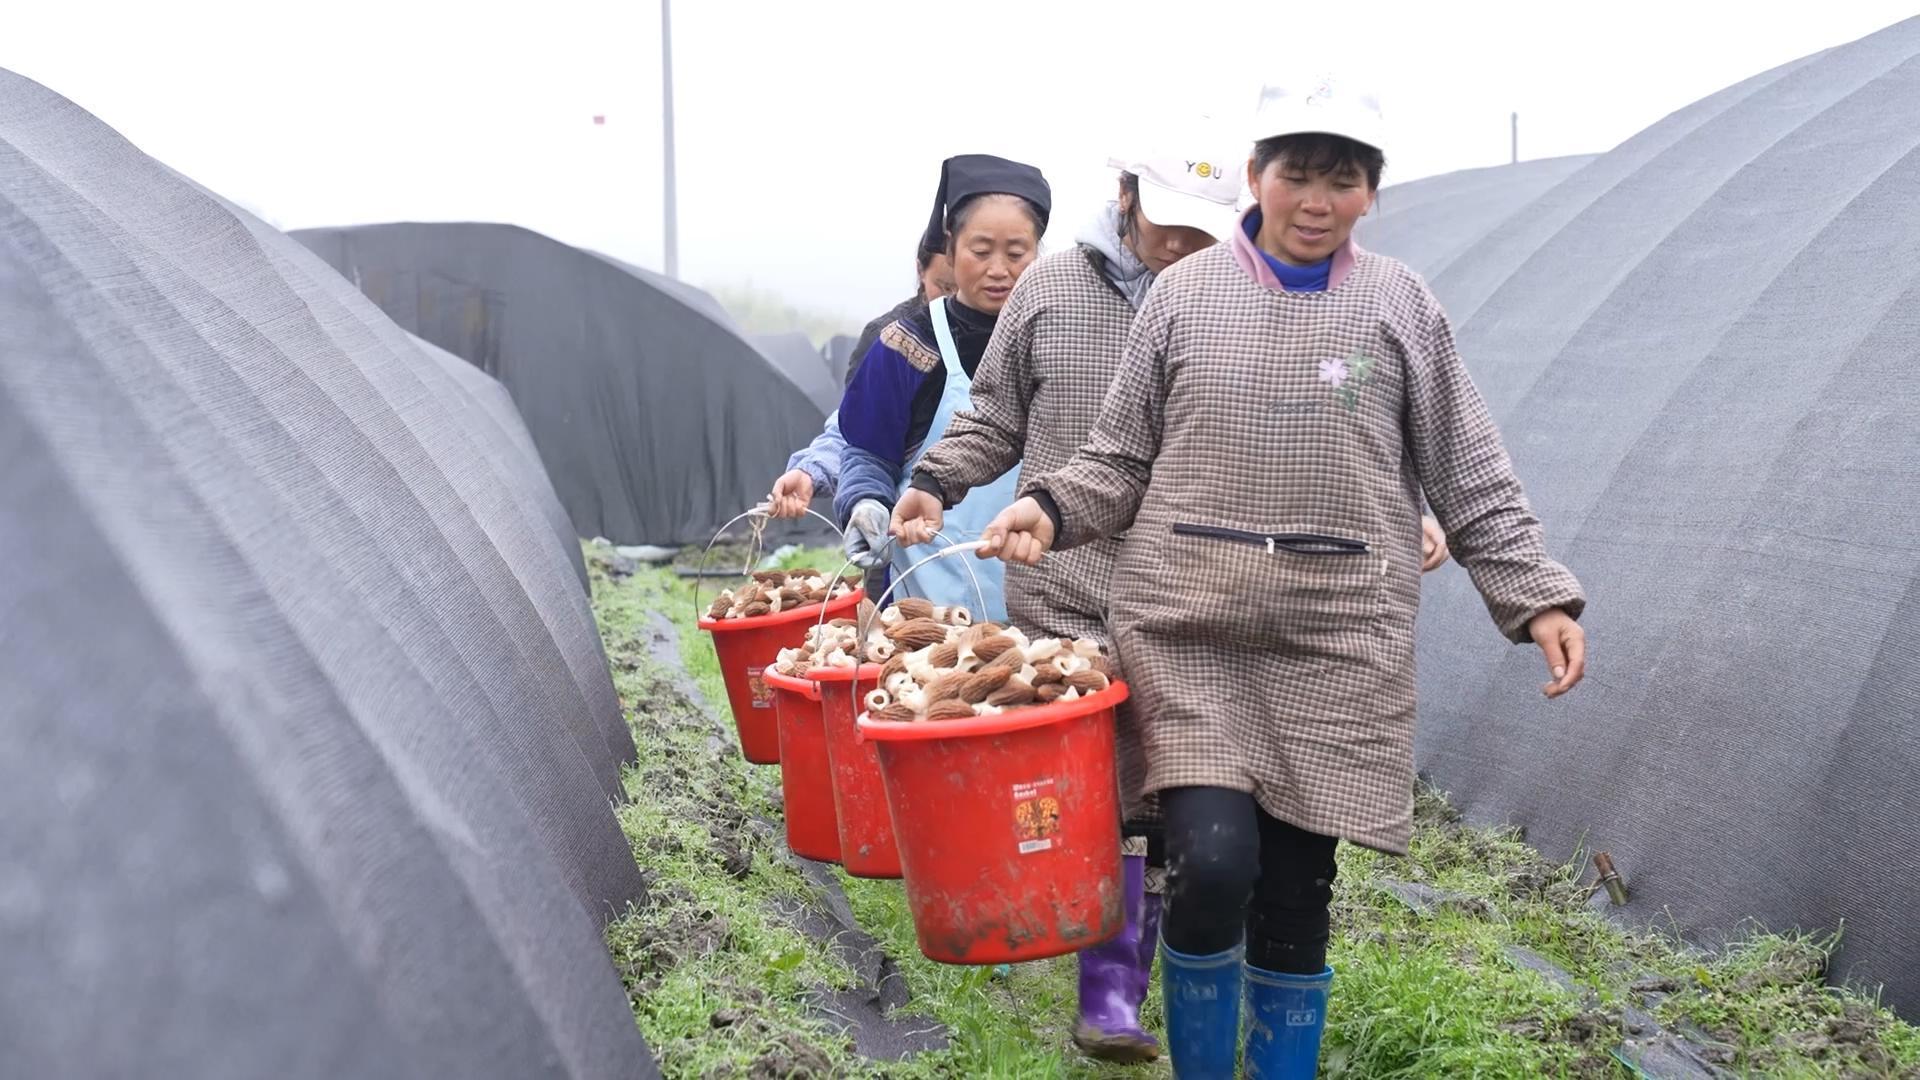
{"points": [[1285, 1016], [1202, 997]]}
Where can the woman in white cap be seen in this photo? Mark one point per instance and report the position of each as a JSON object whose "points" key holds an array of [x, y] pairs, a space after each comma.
{"points": [[1036, 393], [1284, 401]]}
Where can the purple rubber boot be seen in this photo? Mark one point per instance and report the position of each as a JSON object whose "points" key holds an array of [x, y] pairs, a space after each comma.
{"points": [[1114, 976]]}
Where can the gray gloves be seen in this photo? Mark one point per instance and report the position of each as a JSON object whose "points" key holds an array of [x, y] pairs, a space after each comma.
{"points": [[867, 534]]}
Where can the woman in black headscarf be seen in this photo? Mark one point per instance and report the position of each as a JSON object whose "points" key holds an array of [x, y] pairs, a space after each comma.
{"points": [[988, 216]]}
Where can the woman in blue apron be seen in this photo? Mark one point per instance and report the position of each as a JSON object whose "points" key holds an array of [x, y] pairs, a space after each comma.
{"points": [[989, 215]]}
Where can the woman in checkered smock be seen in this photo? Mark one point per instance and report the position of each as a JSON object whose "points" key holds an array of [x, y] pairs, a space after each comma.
{"points": [[1038, 388], [1035, 396], [1283, 402]]}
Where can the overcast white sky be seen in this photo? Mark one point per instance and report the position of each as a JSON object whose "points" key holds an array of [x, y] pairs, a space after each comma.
{"points": [[810, 133]]}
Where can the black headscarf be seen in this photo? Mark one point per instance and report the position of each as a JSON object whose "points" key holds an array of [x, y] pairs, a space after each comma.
{"points": [[966, 175]]}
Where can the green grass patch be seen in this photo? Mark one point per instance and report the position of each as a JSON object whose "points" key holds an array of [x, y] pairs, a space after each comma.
{"points": [[1444, 993], [1012, 1027], [718, 980]]}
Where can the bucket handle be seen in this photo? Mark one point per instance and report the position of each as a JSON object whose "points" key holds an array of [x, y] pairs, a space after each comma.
{"points": [[953, 549], [861, 632], [764, 514], [844, 567]]}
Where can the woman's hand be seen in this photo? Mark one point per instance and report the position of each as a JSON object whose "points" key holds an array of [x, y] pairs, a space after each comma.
{"points": [[1564, 644], [866, 536], [1433, 545], [916, 517], [1021, 533], [792, 494]]}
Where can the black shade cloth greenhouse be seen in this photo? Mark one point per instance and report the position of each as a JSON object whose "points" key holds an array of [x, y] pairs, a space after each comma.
{"points": [[1701, 348], [807, 366], [656, 419], [307, 744], [508, 445], [838, 353]]}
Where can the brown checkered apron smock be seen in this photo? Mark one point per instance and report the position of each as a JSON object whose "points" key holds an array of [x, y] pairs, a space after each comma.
{"points": [[1266, 453], [1053, 356]]}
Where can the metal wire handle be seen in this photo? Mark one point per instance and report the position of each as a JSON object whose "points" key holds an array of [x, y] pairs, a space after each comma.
{"points": [[763, 512], [952, 549], [955, 549], [979, 594]]}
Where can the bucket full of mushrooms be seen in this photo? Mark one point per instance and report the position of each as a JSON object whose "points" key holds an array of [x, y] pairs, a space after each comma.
{"points": [[751, 625], [996, 754]]}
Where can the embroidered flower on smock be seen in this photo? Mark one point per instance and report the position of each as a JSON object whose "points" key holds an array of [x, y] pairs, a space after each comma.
{"points": [[1348, 377]]}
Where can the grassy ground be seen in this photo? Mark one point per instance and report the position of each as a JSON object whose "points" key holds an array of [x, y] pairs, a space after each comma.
{"points": [[1439, 954]]}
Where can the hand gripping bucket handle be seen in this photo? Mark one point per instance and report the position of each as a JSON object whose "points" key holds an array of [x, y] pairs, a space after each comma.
{"points": [[762, 512]]}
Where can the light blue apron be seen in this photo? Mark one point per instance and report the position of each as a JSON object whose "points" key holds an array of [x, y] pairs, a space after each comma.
{"points": [[946, 581]]}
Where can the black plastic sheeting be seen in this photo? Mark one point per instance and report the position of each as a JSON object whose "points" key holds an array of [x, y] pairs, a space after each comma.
{"points": [[496, 425], [1700, 347], [306, 739], [838, 352], [807, 366], [657, 420], [790, 352]]}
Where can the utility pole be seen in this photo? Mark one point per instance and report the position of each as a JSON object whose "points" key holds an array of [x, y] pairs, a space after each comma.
{"points": [[671, 235], [1516, 135]]}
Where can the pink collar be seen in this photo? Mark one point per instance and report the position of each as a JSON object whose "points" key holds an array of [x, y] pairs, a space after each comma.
{"points": [[1255, 264]]}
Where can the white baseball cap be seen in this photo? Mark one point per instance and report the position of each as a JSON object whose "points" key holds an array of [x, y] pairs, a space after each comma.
{"points": [[1193, 179], [1326, 105]]}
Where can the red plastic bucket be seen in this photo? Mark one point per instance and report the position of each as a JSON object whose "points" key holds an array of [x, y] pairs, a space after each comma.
{"points": [[806, 776], [867, 845], [746, 648], [1009, 828]]}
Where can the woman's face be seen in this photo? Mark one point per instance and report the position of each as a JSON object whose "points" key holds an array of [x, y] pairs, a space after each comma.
{"points": [[1306, 216], [1160, 246], [936, 280], [994, 245]]}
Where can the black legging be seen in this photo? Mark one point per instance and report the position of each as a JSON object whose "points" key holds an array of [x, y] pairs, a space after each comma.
{"points": [[1231, 866]]}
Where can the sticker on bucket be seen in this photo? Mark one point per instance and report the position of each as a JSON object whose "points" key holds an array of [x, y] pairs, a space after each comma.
{"points": [[1036, 815], [762, 693]]}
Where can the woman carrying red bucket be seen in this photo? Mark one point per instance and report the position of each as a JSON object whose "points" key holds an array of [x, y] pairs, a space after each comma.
{"points": [[1283, 402], [988, 216], [1038, 392]]}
